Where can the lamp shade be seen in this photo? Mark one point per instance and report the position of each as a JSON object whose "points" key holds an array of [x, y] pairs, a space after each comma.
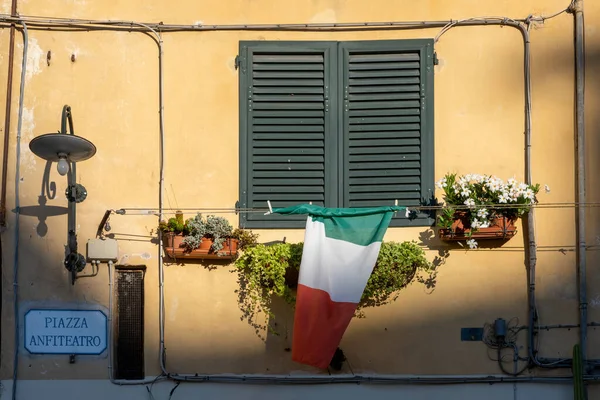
{"points": [[73, 148]]}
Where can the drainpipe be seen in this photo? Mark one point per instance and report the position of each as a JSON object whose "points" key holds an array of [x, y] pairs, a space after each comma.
{"points": [[577, 10], [9, 84]]}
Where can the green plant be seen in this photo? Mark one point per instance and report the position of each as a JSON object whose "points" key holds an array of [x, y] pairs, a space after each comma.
{"points": [[397, 265], [266, 271], [245, 237], [218, 229], [196, 229], [172, 225], [262, 271]]}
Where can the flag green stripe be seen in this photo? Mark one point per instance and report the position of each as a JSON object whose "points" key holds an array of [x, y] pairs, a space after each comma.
{"points": [[361, 226], [317, 211], [360, 230]]}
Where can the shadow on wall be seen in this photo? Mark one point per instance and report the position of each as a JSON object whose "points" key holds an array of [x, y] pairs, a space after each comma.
{"points": [[43, 211]]}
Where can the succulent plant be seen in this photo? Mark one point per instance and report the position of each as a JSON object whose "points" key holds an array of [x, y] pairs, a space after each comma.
{"points": [[195, 230], [218, 228]]}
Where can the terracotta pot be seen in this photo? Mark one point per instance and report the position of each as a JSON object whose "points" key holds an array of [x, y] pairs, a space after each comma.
{"points": [[172, 240], [206, 243], [177, 241], [230, 246], [174, 248], [167, 238], [500, 228]]}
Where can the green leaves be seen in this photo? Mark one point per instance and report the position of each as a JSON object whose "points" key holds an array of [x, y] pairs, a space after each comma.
{"points": [[264, 271], [397, 266]]}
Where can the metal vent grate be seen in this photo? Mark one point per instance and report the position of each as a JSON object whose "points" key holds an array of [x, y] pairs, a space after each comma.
{"points": [[129, 324]]}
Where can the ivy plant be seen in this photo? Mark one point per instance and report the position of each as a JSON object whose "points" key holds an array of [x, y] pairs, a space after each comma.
{"points": [[267, 271], [398, 264], [262, 274]]}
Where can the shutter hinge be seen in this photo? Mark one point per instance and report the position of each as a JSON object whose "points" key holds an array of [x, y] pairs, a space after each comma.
{"points": [[237, 62], [436, 61]]}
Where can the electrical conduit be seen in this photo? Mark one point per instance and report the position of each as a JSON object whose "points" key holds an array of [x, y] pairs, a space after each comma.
{"points": [[9, 85], [17, 213], [581, 195]]}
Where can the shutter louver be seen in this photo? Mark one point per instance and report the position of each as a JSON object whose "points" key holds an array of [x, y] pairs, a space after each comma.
{"points": [[383, 126], [286, 128]]}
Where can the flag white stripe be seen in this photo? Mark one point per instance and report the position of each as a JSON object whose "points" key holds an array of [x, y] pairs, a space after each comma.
{"points": [[337, 267]]}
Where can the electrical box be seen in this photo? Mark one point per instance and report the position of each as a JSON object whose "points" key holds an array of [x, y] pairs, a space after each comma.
{"points": [[471, 334], [102, 250]]}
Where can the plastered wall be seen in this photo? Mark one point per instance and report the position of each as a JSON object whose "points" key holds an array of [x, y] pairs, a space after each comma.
{"points": [[112, 87]]}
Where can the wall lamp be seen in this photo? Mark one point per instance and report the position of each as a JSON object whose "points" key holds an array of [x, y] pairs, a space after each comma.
{"points": [[66, 150]]}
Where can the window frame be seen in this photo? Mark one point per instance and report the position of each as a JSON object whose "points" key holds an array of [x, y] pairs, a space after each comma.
{"points": [[336, 185]]}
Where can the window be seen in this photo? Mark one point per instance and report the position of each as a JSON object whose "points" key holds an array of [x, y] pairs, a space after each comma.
{"points": [[338, 124]]}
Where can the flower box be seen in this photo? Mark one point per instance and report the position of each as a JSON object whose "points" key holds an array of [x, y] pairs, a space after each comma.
{"points": [[174, 248], [482, 207], [500, 228]]}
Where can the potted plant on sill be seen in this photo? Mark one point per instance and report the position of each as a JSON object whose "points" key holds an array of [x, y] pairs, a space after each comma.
{"points": [[174, 230], [482, 207], [199, 238]]}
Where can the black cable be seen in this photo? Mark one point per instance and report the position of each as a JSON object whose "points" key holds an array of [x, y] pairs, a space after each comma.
{"points": [[173, 390], [503, 345]]}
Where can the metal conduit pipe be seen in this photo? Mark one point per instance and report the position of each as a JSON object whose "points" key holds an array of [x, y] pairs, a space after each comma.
{"points": [[17, 208], [9, 84], [131, 26], [577, 9]]}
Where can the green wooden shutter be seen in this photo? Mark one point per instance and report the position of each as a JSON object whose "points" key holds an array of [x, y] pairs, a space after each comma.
{"points": [[286, 129], [387, 122]]}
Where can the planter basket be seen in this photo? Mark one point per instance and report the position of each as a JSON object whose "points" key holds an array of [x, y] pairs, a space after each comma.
{"points": [[501, 228], [173, 246]]}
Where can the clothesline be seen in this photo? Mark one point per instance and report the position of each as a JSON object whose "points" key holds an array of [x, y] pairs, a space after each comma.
{"points": [[249, 210]]}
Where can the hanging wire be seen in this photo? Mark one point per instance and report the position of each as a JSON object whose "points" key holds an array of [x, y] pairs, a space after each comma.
{"points": [[247, 210]]}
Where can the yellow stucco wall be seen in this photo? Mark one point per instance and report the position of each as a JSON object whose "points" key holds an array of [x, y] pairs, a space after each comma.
{"points": [[113, 90]]}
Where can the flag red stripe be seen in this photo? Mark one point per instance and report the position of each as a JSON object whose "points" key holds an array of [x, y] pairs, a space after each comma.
{"points": [[319, 324]]}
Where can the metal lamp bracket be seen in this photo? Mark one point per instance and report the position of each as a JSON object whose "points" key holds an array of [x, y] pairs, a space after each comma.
{"points": [[60, 147]]}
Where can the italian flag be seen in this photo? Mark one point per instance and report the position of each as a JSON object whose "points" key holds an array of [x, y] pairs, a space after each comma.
{"points": [[341, 246]]}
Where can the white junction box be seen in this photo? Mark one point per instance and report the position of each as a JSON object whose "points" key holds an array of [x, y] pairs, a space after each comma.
{"points": [[102, 250]]}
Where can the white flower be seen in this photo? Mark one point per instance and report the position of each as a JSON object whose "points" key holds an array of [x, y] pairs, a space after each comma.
{"points": [[442, 183], [472, 244], [495, 184], [482, 213], [529, 194], [475, 224], [470, 203], [547, 188], [485, 224]]}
